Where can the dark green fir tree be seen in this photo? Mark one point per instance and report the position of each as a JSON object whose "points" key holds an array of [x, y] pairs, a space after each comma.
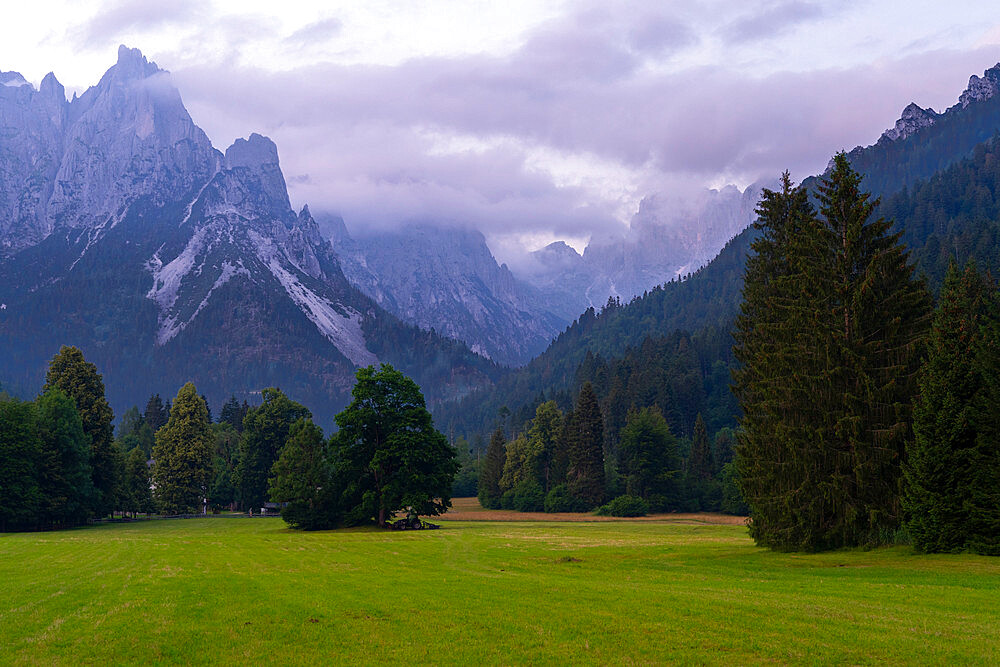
{"points": [[585, 477], [79, 379], [938, 470], [492, 471]]}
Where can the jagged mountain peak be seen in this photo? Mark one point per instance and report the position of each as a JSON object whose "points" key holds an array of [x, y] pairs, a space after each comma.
{"points": [[254, 153], [133, 65], [981, 88], [911, 120], [50, 87], [13, 80], [558, 249], [258, 155]]}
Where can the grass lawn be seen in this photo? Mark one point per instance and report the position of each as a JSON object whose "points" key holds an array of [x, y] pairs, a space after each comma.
{"points": [[238, 590]]}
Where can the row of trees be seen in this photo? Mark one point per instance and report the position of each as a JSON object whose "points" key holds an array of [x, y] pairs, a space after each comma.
{"points": [[59, 463], [60, 466], [831, 340], [567, 463]]}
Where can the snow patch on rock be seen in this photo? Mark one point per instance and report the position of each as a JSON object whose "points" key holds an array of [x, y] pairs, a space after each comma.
{"points": [[343, 330], [167, 277]]}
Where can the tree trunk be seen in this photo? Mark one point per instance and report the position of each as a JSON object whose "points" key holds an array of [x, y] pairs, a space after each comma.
{"points": [[381, 517]]}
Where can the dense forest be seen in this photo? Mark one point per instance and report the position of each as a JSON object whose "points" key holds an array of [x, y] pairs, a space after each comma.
{"points": [[938, 187]]}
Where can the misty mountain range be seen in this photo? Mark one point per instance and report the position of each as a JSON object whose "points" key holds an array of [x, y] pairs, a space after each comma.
{"points": [[125, 232]]}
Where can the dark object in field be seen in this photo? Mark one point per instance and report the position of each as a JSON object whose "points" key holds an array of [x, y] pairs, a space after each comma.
{"points": [[413, 523], [568, 559]]}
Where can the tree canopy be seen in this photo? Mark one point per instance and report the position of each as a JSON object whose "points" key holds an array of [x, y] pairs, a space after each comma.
{"points": [[388, 454]]}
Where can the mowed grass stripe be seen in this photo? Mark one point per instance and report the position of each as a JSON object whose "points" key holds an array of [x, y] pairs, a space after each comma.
{"points": [[221, 591]]}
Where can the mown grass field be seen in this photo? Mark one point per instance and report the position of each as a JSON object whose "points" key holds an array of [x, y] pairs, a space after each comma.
{"points": [[251, 591]]}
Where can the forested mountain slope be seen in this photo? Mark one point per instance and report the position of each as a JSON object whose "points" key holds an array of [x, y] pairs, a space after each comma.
{"points": [[953, 213]]}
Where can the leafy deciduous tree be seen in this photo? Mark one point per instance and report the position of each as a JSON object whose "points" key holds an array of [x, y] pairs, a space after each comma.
{"points": [[389, 455]]}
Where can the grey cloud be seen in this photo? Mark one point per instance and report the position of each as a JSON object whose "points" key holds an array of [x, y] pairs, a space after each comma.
{"points": [[364, 134], [772, 21], [656, 35], [117, 18], [319, 31]]}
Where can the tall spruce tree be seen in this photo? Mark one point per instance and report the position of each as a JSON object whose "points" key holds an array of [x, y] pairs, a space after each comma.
{"points": [[982, 503], [770, 456], [492, 470], [700, 462], [829, 337], [79, 379], [183, 455], [939, 470], [882, 316], [156, 413], [586, 455]]}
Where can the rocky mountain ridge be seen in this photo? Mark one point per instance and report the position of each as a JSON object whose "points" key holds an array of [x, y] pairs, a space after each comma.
{"points": [[446, 279], [126, 233]]}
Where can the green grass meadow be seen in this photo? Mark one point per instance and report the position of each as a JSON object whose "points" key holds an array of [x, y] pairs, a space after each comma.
{"points": [[251, 591]]}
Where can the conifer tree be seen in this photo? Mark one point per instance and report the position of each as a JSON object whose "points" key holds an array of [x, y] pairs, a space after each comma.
{"points": [[586, 456], [649, 458], [700, 462], [64, 475], [492, 471], [302, 479], [829, 338], [156, 413], [882, 315], [982, 492], [771, 455], [265, 431], [233, 413], [79, 379], [938, 468], [183, 455]]}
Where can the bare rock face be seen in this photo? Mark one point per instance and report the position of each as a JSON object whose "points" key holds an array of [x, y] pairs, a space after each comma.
{"points": [[446, 279], [81, 162], [912, 119], [981, 88]]}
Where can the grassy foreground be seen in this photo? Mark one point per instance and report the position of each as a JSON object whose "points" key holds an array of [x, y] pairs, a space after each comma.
{"points": [[238, 590]]}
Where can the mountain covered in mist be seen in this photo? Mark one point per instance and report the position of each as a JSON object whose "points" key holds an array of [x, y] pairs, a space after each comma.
{"points": [[446, 279], [939, 182], [124, 232]]}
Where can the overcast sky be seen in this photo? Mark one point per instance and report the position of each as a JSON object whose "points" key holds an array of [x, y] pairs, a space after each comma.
{"points": [[530, 120]]}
